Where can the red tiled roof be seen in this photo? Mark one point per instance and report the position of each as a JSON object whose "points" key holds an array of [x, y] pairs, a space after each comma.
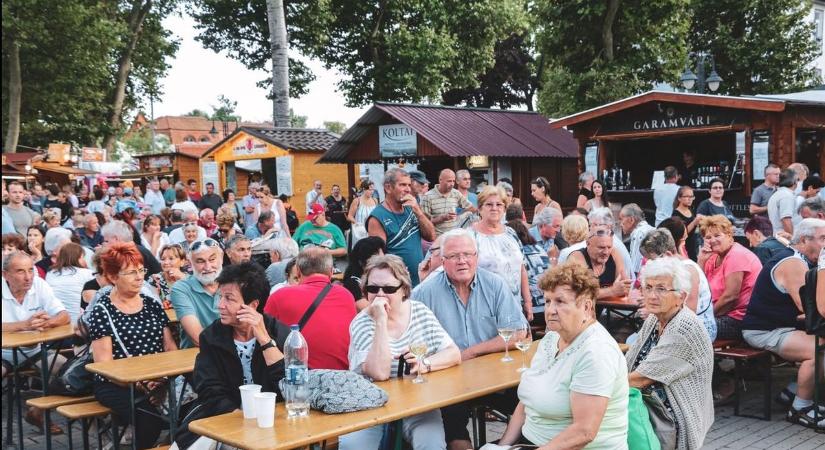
{"points": [[459, 131], [193, 149]]}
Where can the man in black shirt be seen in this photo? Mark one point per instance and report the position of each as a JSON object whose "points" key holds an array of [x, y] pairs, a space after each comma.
{"points": [[211, 200], [120, 231]]}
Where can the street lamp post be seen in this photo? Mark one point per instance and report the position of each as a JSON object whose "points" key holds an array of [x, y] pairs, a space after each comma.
{"points": [[699, 82]]}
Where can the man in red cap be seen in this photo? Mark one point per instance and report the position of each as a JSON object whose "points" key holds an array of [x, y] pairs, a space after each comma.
{"points": [[317, 231]]}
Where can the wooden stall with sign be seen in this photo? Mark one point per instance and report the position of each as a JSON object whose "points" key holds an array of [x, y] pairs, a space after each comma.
{"points": [[491, 143], [626, 143], [285, 157]]}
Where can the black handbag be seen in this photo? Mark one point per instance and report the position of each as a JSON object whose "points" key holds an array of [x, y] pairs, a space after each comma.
{"points": [[73, 379], [814, 322], [663, 423]]}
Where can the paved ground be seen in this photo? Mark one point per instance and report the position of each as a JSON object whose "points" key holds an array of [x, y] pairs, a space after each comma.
{"points": [[728, 431]]}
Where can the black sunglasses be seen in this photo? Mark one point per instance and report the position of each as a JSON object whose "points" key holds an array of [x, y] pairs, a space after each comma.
{"points": [[373, 289]]}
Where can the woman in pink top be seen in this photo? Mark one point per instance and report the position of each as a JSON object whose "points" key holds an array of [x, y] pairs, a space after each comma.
{"points": [[731, 270]]}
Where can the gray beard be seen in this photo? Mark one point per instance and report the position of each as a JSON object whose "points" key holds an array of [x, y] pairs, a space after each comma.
{"points": [[206, 279]]}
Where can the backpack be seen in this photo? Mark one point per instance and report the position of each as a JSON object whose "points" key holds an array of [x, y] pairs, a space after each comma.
{"points": [[814, 322], [292, 220]]}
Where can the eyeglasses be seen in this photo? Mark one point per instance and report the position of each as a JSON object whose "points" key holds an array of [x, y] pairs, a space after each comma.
{"points": [[373, 289], [493, 205], [657, 291], [137, 273], [208, 242], [459, 256]]}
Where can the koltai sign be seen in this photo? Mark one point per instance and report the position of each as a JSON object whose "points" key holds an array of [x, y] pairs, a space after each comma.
{"points": [[398, 140]]}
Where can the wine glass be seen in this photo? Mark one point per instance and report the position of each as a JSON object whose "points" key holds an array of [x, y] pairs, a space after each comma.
{"points": [[506, 330], [523, 343], [418, 348]]}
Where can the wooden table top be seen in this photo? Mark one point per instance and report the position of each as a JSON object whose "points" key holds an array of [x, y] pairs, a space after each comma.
{"points": [[148, 367], [617, 302], [28, 338], [471, 379], [170, 313]]}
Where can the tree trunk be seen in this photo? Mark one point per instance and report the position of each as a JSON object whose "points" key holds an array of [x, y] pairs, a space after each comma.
{"points": [[124, 67], [280, 62], [15, 90], [607, 29]]}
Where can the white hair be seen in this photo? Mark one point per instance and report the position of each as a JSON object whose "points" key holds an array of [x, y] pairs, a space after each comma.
{"points": [[118, 229], [806, 228], [546, 216], [286, 247], [668, 266], [456, 233], [584, 176], [601, 215], [56, 237]]}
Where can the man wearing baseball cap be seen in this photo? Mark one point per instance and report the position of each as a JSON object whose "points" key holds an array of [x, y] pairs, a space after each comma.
{"points": [[317, 231], [420, 184]]}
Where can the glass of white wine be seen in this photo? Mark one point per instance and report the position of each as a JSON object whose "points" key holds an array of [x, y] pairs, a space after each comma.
{"points": [[523, 343], [419, 349], [506, 330]]}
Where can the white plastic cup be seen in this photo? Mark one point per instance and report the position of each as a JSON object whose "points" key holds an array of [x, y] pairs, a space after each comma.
{"points": [[265, 409], [248, 392]]}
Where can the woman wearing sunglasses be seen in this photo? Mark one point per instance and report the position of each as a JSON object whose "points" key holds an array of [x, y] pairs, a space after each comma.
{"points": [[382, 334]]}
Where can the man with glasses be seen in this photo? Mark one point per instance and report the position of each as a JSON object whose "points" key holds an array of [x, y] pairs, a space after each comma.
{"points": [[763, 192], [400, 222], [327, 329], [195, 298], [470, 303]]}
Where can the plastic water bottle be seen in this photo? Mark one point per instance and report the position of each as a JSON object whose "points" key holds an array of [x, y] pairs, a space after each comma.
{"points": [[296, 358]]}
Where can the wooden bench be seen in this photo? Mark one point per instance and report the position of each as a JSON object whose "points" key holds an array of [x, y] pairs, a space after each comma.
{"points": [[741, 355], [85, 413], [54, 401]]}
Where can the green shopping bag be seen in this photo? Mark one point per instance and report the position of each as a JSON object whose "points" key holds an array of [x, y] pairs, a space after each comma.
{"points": [[640, 434]]}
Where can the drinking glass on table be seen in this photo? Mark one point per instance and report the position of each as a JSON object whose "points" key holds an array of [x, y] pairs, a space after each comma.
{"points": [[418, 347], [506, 329], [523, 342]]}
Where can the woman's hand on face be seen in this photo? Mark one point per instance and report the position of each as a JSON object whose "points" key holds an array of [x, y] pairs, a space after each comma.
{"points": [[248, 316], [379, 309]]}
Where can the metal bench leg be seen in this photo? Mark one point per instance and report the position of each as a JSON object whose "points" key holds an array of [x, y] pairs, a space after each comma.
{"points": [[738, 389], [10, 412], [98, 426], [768, 386], [84, 423], [69, 423]]}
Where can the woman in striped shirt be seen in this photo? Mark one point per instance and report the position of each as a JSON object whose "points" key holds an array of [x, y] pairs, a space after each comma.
{"points": [[382, 333]]}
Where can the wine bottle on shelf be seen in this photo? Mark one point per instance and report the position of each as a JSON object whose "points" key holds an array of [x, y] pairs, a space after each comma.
{"points": [[627, 183], [619, 182]]}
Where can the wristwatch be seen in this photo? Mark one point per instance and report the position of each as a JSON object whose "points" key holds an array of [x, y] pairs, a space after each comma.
{"points": [[268, 345], [427, 364]]}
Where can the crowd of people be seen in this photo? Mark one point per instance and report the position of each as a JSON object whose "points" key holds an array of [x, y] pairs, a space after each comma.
{"points": [[444, 264]]}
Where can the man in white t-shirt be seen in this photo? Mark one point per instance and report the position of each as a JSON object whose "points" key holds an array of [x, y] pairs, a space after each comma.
{"points": [[29, 305], [154, 197], [664, 195], [22, 216], [315, 196], [782, 204]]}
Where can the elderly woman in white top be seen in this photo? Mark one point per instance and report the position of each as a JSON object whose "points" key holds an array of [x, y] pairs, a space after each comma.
{"points": [[673, 357], [499, 249], [659, 243], [575, 393], [383, 333]]}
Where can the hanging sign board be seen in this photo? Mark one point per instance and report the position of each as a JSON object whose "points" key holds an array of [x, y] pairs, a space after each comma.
{"points": [[249, 146], [591, 158], [91, 154], [478, 162], [283, 174], [57, 152], [761, 154], [209, 174], [396, 141], [158, 162], [662, 116]]}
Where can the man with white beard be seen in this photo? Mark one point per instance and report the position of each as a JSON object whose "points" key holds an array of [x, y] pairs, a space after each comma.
{"points": [[195, 298]]}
